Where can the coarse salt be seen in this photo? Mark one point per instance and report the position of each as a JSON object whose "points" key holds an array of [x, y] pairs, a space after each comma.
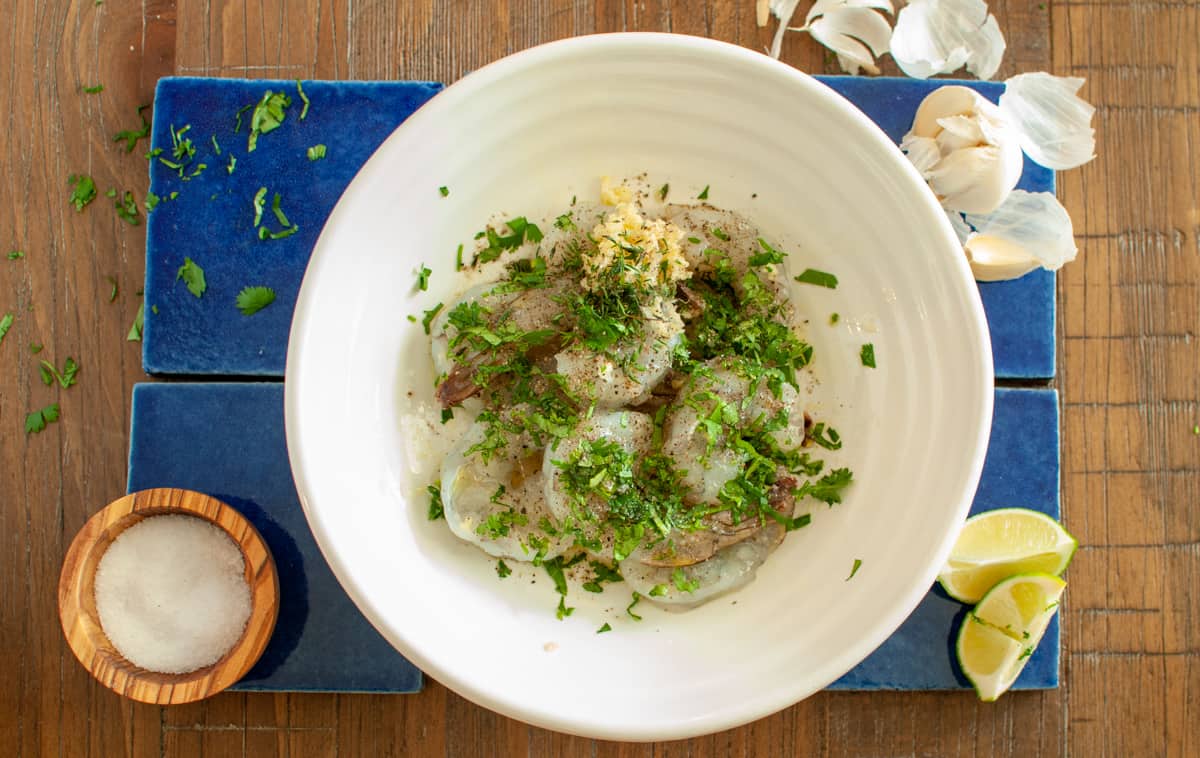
{"points": [[171, 593]]}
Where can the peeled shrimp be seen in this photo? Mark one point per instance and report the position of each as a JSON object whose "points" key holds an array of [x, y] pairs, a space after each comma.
{"points": [[470, 488], [730, 568]]}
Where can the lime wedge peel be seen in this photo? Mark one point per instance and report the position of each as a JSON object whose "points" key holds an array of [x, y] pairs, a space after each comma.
{"points": [[999, 635], [998, 544]]}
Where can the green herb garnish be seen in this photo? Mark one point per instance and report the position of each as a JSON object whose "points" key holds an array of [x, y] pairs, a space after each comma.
{"points": [[868, 355], [112, 294], [423, 277], [662, 192], [15, 255], [828, 488], [436, 510], [444, 191], [127, 209], [819, 278], [135, 331], [95, 89], [6, 322], [35, 348], [430, 315], [251, 300], [65, 378], [193, 276], [37, 420], [260, 198], [682, 583], [303, 98], [232, 164], [606, 628], [502, 569], [637, 598], [83, 190], [768, 255], [703, 193], [268, 115], [830, 440], [833, 318], [131, 136], [316, 152], [719, 233], [855, 568]]}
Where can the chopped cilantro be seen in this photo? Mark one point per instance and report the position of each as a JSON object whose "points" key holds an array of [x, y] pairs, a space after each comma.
{"points": [[682, 583], [282, 219], [703, 193], [15, 255], [83, 190], [828, 488], [37, 420], [193, 276], [436, 510], [35, 348], [833, 318], [260, 198], [868, 355], [251, 300], [154, 309], [830, 440], [502, 569], [95, 89], [564, 222], [520, 231], [423, 277], [768, 256], [152, 201], [694, 240], [444, 191], [554, 567], [819, 278], [316, 152], [629, 608], [606, 628], [458, 264], [216, 147], [135, 331], [662, 192], [127, 208], [719, 233], [447, 413], [131, 136], [855, 568], [303, 99], [232, 163], [112, 295], [6, 322], [268, 115], [430, 315], [563, 611], [65, 378]]}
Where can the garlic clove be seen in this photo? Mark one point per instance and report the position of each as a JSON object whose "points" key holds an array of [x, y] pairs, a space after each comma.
{"points": [[960, 227], [976, 179], [951, 100], [922, 152], [1054, 123], [1028, 230], [763, 12], [940, 36]]}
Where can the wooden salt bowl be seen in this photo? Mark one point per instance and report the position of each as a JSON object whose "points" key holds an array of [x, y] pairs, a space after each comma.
{"points": [[81, 622]]}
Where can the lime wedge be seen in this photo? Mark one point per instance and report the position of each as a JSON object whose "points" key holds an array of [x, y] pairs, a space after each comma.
{"points": [[998, 544], [999, 635]]}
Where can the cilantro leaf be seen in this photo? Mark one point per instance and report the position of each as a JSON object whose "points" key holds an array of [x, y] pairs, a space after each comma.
{"points": [[232, 163], [6, 323], [430, 315], [303, 99], [828, 488], [502, 569], [682, 583], [830, 440], [819, 278], [268, 115], [37, 420], [768, 256], [251, 300], [563, 611], [131, 136], [15, 255], [662, 192], [868, 355], [35, 348], [112, 295], [606, 628], [436, 511], [854, 570], [703, 193], [444, 191], [637, 598], [260, 198], [135, 331], [95, 89], [423, 277], [65, 378], [316, 152], [83, 190], [193, 276], [127, 208]]}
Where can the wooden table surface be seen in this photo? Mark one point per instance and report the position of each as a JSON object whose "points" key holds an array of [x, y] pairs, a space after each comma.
{"points": [[1129, 311]]}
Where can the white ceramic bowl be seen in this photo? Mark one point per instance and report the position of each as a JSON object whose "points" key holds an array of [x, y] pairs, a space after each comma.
{"points": [[522, 136]]}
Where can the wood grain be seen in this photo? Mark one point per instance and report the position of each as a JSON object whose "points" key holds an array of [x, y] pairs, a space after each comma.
{"points": [[1129, 311], [81, 620]]}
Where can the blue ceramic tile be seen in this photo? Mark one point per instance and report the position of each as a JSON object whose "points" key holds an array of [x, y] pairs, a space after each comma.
{"points": [[212, 219], [1021, 470], [227, 440], [1022, 348]]}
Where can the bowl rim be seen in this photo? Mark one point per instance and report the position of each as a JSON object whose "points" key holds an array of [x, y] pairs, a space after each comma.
{"points": [[300, 458], [86, 637]]}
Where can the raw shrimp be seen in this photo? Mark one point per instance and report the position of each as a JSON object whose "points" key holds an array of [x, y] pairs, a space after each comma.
{"points": [[730, 568], [695, 432], [627, 375], [499, 503]]}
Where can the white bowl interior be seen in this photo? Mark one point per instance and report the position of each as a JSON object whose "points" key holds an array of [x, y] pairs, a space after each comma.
{"points": [[522, 137]]}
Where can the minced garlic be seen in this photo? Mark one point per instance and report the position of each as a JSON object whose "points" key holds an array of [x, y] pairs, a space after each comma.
{"points": [[647, 252], [614, 194]]}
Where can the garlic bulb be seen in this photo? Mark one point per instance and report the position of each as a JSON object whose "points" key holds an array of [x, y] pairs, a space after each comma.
{"points": [[1054, 123], [965, 148], [940, 36], [1028, 230], [851, 28]]}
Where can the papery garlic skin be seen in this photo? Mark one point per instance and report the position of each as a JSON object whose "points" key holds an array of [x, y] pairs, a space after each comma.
{"points": [[965, 149], [1054, 123], [940, 36], [1030, 229], [782, 10], [854, 29]]}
